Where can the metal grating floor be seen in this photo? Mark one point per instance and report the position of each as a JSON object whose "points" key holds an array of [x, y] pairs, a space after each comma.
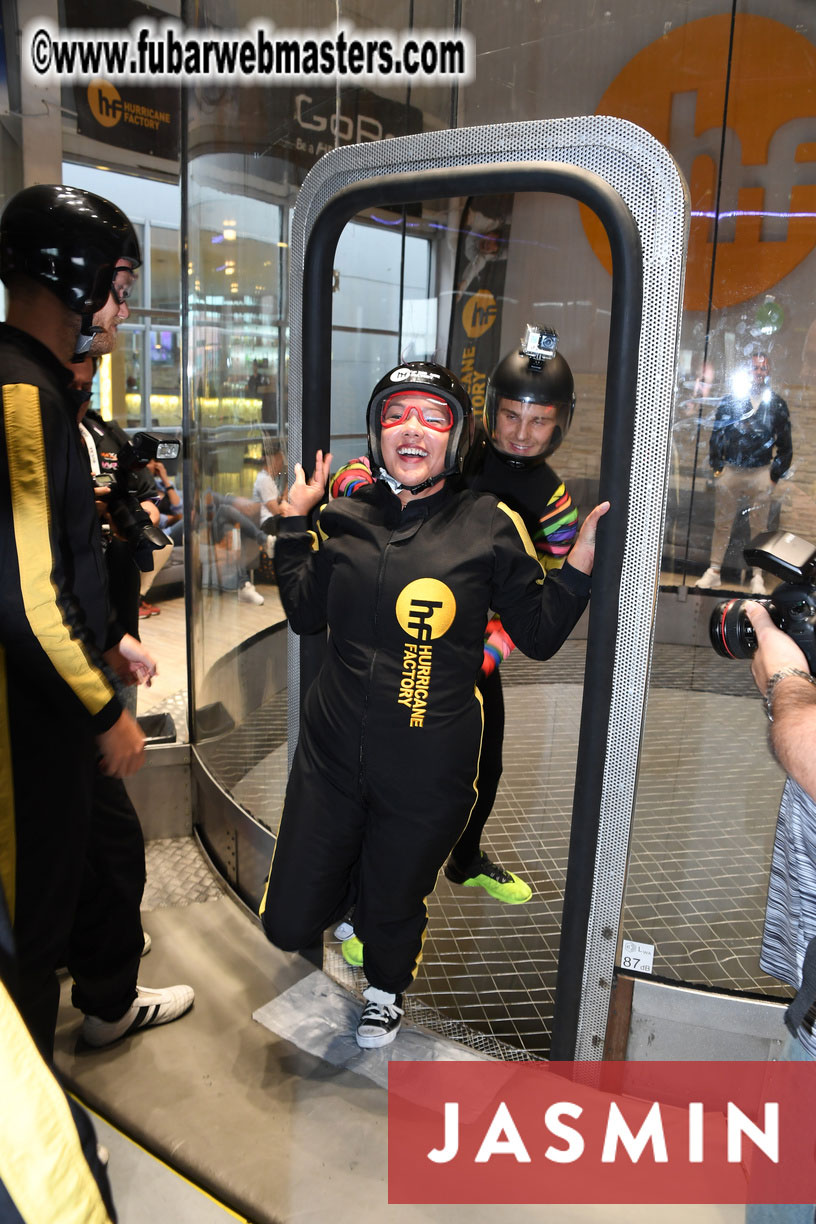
{"points": [[707, 798], [177, 874]]}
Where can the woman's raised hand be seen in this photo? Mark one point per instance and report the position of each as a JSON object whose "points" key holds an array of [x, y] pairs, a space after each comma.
{"points": [[305, 494]]}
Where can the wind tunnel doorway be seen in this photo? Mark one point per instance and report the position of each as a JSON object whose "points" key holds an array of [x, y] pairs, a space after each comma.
{"points": [[631, 183]]}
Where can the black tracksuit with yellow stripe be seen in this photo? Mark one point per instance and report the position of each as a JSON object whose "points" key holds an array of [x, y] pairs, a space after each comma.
{"points": [[384, 776], [55, 692]]}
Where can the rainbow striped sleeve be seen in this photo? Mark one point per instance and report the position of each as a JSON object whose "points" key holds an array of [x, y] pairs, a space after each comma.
{"points": [[355, 475], [556, 531]]}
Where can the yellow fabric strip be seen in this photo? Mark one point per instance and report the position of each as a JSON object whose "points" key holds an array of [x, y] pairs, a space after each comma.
{"points": [[8, 842], [529, 547], [28, 477], [42, 1164]]}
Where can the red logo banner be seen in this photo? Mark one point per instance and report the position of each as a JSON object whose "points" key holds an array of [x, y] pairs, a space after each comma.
{"points": [[680, 1132]]}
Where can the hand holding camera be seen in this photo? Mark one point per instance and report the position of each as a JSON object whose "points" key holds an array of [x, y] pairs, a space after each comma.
{"points": [[775, 651], [128, 520], [791, 608]]}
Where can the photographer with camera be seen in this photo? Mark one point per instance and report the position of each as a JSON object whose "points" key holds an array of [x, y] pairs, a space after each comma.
{"points": [[749, 452], [121, 495], [778, 635], [784, 678]]}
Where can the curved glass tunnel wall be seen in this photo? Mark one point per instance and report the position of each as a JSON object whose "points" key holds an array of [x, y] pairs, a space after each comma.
{"points": [[708, 790]]}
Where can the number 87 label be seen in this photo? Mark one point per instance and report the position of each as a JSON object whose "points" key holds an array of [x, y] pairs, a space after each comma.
{"points": [[637, 956]]}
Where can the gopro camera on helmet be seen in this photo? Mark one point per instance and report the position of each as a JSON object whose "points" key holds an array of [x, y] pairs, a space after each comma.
{"points": [[792, 607], [129, 520], [539, 343]]}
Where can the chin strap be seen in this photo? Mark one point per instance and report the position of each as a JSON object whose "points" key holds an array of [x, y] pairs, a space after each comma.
{"points": [[396, 487], [87, 331]]}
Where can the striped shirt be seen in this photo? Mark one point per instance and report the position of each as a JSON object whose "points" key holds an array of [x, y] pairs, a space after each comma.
{"points": [[790, 916]]}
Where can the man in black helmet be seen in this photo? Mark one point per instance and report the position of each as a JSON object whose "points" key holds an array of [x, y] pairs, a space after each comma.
{"points": [[529, 406], [60, 717], [384, 775]]}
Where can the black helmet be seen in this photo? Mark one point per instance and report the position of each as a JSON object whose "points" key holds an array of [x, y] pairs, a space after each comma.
{"points": [[435, 379], [535, 373], [68, 241]]}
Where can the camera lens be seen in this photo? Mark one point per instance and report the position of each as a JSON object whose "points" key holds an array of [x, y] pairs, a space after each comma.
{"points": [[732, 634]]}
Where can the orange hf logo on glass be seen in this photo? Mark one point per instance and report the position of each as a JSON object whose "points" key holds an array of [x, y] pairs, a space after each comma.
{"points": [[679, 88]]}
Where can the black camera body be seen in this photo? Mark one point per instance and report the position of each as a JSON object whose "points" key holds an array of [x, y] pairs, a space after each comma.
{"points": [[792, 607], [128, 518]]}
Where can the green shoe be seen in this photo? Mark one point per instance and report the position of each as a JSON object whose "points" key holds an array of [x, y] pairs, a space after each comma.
{"points": [[352, 949], [503, 885]]}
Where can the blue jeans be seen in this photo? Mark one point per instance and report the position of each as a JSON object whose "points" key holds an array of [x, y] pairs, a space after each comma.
{"points": [[784, 1213]]}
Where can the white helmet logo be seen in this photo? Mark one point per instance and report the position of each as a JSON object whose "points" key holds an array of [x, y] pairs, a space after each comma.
{"points": [[403, 375]]}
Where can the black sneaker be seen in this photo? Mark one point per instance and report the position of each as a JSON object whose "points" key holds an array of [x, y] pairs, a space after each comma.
{"points": [[503, 885], [380, 1019]]}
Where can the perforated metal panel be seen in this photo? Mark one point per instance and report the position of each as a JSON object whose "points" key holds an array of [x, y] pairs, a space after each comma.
{"points": [[644, 174]]}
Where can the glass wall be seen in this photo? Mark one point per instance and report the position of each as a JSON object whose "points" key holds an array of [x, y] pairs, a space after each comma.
{"points": [[139, 385], [729, 93], [250, 150]]}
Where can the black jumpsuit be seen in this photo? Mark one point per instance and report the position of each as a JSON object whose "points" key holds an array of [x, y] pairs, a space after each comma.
{"points": [[106, 939], [56, 694], [548, 513], [384, 776]]}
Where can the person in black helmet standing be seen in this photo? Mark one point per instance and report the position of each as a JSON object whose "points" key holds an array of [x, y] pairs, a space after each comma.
{"points": [[61, 717], [529, 404], [384, 774]]}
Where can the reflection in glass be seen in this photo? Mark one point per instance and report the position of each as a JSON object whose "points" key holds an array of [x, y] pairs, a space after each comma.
{"points": [[165, 378]]}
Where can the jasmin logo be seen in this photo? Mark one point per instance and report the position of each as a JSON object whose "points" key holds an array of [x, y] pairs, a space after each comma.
{"points": [[679, 88]]}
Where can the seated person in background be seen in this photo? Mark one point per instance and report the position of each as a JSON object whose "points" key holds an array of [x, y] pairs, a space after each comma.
{"points": [[223, 515], [384, 774], [170, 505], [170, 510], [270, 485]]}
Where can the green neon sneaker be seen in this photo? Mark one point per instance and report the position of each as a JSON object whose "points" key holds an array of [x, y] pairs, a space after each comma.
{"points": [[503, 885], [352, 949]]}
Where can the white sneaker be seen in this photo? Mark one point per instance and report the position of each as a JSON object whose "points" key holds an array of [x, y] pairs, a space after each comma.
{"points": [[248, 594], [150, 1007], [711, 578], [757, 583]]}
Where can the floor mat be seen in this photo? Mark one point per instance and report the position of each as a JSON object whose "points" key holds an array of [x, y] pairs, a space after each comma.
{"points": [[318, 1016]]}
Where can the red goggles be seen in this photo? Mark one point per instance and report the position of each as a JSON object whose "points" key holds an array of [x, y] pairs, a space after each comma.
{"points": [[432, 412]]}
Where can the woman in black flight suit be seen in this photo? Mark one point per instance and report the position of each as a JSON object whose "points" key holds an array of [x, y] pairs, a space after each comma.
{"points": [[384, 775]]}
